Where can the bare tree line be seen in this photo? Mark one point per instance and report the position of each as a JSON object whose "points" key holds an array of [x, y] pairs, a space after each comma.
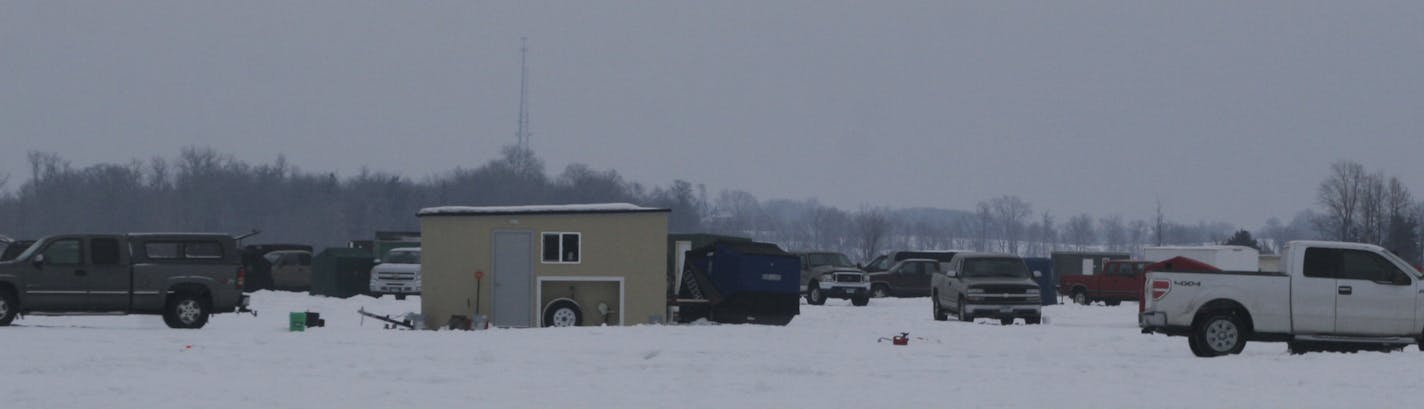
{"points": [[202, 190]]}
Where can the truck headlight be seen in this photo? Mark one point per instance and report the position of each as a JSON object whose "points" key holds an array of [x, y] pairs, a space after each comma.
{"points": [[1031, 291]]}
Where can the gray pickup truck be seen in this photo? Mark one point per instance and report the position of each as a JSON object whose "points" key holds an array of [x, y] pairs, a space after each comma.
{"points": [[995, 285], [185, 277]]}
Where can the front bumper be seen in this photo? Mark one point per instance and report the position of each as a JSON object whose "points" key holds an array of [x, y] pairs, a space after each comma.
{"points": [[845, 290], [395, 287], [1005, 310]]}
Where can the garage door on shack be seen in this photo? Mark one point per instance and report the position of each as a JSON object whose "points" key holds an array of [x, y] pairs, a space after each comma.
{"points": [[554, 265]]}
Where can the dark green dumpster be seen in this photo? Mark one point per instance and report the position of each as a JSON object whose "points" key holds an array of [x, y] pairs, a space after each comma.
{"points": [[342, 272]]}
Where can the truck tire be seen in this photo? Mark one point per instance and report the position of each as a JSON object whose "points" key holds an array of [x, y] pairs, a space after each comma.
{"points": [[939, 314], [186, 310], [814, 296], [1220, 334], [1197, 348], [1033, 320], [860, 300], [563, 313], [400, 296], [1081, 297], [1006, 321], [880, 291], [963, 313], [1112, 303], [9, 307]]}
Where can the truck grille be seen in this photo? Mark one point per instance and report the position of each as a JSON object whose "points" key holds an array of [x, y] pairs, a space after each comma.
{"points": [[848, 278], [396, 276], [1003, 289]]}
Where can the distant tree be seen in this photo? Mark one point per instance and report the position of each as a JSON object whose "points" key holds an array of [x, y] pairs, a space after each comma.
{"points": [[1243, 238], [983, 225], [1340, 195], [1079, 231], [1114, 232], [1403, 238], [1159, 225], [1009, 214], [872, 226]]}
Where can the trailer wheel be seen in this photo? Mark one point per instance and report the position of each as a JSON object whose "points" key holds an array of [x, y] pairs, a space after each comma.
{"points": [[814, 296], [186, 310], [563, 313], [1220, 334], [9, 308]]}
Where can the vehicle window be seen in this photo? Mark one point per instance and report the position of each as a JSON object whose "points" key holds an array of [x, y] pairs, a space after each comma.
{"points": [[879, 263], [160, 250], [994, 267], [1364, 265], [828, 259], [930, 268], [104, 252], [1321, 263], [202, 250], [403, 257], [305, 259], [63, 252]]}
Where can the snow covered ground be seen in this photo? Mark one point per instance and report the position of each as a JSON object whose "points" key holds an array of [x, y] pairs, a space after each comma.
{"points": [[828, 357]]}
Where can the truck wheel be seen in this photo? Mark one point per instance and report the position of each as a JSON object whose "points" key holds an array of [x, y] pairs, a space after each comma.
{"points": [[186, 310], [963, 313], [563, 313], [1006, 321], [1081, 297], [9, 308], [939, 314], [814, 296], [860, 300], [400, 296], [880, 291], [1197, 348], [1112, 303], [1221, 334], [1033, 320]]}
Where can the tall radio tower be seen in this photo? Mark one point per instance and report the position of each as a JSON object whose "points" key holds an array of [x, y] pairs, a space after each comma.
{"points": [[522, 135]]}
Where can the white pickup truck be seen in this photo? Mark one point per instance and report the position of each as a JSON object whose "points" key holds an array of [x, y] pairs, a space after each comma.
{"points": [[1327, 296]]}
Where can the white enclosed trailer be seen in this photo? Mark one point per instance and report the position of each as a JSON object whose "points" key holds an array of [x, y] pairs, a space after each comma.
{"points": [[1231, 258]]}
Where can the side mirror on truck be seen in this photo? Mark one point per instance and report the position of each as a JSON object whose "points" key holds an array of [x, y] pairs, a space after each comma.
{"points": [[38, 261], [951, 273], [1037, 274]]}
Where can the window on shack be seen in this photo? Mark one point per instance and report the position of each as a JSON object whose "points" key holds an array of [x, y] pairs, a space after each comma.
{"points": [[561, 247]]}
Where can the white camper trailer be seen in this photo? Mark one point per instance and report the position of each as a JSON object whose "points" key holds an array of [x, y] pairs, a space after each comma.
{"points": [[1231, 258]]}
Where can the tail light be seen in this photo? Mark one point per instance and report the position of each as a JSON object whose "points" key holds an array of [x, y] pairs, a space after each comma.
{"points": [[1160, 288], [241, 278]]}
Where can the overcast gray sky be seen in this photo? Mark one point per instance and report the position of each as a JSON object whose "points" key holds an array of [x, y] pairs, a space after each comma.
{"points": [[1223, 109]]}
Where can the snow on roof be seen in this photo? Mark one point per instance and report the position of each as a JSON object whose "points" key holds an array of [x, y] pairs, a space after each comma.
{"points": [[569, 208]]}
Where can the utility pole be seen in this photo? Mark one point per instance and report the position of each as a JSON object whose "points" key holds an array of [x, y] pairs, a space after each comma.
{"points": [[522, 136]]}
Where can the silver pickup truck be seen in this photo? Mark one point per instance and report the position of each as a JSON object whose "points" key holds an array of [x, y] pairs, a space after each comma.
{"points": [[185, 277], [1327, 296]]}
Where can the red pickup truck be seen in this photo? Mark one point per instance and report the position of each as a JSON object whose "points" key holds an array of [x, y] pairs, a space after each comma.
{"points": [[1118, 281]]}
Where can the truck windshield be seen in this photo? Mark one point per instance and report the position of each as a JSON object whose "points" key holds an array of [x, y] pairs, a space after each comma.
{"points": [[828, 259], [403, 257], [994, 267]]}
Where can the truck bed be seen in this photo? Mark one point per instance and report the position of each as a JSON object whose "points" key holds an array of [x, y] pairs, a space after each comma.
{"points": [[1264, 294]]}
